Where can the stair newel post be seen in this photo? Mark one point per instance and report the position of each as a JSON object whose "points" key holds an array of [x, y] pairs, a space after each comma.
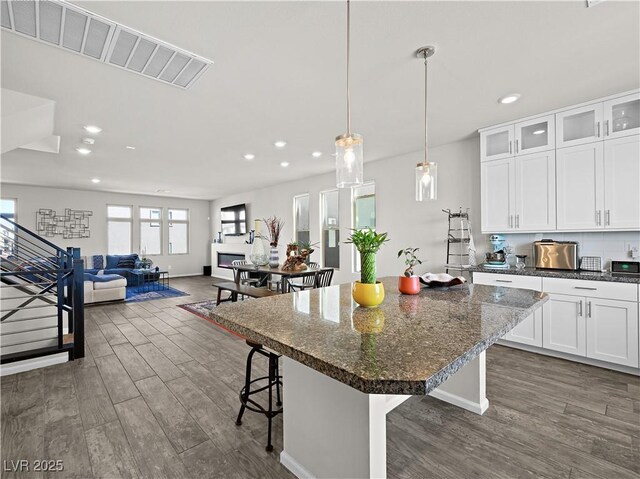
{"points": [[78, 306], [60, 284]]}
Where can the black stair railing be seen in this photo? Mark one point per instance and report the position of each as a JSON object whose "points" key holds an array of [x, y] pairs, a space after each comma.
{"points": [[42, 296]]}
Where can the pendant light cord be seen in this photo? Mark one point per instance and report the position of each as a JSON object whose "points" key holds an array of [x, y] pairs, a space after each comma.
{"points": [[426, 155], [348, 68]]}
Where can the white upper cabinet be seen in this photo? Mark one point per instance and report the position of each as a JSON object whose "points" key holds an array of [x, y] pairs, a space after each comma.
{"points": [[621, 183], [622, 116], [535, 135], [498, 195], [579, 125], [497, 143], [579, 187], [535, 178]]}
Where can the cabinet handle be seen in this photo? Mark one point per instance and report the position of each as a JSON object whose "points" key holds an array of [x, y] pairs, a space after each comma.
{"points": [[598, 217], [517, 221], [510, 144], [503, 281], [510, 221], [517, 147], [588, 309], [580, 308], [598, 130], [606, 128], [584, 287], [607, 217]]}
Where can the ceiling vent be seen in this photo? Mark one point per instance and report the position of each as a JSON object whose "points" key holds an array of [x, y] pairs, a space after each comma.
{"points": [[58, 23]]}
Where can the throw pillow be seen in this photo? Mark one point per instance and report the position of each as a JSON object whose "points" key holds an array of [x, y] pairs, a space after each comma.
{"points": [[97, 261], [126, 262]]}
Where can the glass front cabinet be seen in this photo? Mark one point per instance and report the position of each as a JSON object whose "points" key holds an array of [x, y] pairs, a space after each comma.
{"points": [[497, 143], [579, 125], [622, 116], [534, 136]]}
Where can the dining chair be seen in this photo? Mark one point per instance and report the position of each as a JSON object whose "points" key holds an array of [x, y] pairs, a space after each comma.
{"points": [[243, 275], [324, 277], [306, 282]]}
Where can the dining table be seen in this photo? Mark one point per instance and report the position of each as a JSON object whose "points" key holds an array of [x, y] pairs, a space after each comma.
{"points": [[346, 367], [267, 272]]}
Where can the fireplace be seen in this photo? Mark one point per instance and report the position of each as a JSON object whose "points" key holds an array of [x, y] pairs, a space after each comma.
{"points": [[225, 259]]}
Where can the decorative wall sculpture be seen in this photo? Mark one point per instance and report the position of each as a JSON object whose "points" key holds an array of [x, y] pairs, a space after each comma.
{"points": [[73, 224]]}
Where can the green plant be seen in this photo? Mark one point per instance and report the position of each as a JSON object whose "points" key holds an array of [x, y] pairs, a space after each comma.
{"points": [[368, 243], [410, 259]]}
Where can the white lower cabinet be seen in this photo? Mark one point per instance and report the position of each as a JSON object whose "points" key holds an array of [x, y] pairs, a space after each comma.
{"points": [[591, 319], [612, 331], [563, 324]]}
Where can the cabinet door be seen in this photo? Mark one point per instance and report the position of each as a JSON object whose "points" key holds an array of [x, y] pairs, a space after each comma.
{"points": [[529, 331], [579, 189], [579, 126], [535, 206], [622, 116], [496, 144], [621, 180], [612, 331], [535, 135], [498, 195], [563, 324]]}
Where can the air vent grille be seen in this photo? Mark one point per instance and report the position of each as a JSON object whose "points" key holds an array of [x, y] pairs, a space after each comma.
{"points": [[56, 22]]}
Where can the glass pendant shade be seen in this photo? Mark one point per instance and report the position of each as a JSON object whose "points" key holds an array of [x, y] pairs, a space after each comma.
{"points": [[349, 160], [426, 181]]}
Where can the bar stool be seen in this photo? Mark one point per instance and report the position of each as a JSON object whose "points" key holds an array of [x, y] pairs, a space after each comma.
{"points": [[273, 379]]}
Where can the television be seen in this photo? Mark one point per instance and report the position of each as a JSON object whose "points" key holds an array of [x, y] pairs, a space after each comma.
{"points": [[233, 220]]}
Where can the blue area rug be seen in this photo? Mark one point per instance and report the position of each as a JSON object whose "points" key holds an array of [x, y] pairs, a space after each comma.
{"points": [[137, 294]]}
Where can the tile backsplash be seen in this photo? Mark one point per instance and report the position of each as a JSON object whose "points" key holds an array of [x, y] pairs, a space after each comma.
{"points": [[610, 245]]}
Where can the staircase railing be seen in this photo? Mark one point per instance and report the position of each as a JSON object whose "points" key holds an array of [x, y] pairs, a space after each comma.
{"points": [[42, 296]]}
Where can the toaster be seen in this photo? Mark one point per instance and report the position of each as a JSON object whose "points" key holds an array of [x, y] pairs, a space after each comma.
{"points": [[549, 254]]}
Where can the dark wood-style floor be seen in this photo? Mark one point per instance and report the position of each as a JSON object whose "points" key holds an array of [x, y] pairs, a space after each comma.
{"points": [[157, 396]]}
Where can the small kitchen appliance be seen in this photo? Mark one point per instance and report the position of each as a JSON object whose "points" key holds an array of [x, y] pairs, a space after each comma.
{"points": [[498, 257], [549, 254], [625, 268]]}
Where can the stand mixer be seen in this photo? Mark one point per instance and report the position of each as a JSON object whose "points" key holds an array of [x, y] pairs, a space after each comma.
{"points": [[498, 257]]}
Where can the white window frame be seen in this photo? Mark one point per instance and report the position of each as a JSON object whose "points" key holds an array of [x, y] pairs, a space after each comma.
{"points": [[170, 221], [355, 256], [120, 220], [295, 216], [141, 221], [14, 218], [322, 228]]}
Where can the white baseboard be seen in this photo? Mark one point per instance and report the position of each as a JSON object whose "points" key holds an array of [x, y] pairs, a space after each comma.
{"points": [[35, 363], [478, 408], [296, 468]]}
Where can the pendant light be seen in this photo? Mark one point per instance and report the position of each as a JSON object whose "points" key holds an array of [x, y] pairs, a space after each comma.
{"points": [[427, 171], [349, 152]]}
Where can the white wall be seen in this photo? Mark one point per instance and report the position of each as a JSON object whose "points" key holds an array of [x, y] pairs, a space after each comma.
{"points": [[31, 198], [409, 223]]}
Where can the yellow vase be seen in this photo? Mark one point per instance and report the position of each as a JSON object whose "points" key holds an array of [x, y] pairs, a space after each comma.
{"points": [[368, 295]]}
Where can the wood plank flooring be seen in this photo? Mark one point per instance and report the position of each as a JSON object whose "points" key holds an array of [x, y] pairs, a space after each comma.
{"points": [[157, 396]]}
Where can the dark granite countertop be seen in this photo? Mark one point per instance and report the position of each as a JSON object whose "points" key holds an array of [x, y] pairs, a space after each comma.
{"points": [[551, 273], [408, 345]]}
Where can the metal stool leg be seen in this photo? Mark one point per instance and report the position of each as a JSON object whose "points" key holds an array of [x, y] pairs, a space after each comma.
{"points": [[247, 386], [269, 447], [277, 379]]}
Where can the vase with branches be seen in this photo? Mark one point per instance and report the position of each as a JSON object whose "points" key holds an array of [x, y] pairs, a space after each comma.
{"points": [[368, 291], [274, 228]]}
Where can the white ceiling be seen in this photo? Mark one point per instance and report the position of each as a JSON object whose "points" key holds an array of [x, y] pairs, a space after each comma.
{"points": [[279, 73]]}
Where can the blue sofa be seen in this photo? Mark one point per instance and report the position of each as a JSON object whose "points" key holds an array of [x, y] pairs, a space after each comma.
{"points": [[120, 264]]}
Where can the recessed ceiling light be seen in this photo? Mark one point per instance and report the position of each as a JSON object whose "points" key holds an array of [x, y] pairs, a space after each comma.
{"points": [[284, 164], [93, 129], [130, 147], [316, 154], [280, 144], [88, 141], [83, 151], [95, 180], [539, 132], [249, 156], [505, 100]]}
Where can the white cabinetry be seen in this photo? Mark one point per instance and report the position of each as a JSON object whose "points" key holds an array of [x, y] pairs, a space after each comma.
{"points": [[579, 125], [621, 183], [612, 331], [563, 325], [529, 331], [622, 116], [522, 138], [497, 143], [518, 194]]}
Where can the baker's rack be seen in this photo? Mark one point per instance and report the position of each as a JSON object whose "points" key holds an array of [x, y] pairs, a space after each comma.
{"points": [[458, 238]]}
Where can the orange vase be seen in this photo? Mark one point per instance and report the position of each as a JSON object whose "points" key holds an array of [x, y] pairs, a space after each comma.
{"points": [[409, 284]]}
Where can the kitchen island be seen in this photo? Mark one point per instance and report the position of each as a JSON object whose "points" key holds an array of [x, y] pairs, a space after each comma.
{"points": [[346, 367]]}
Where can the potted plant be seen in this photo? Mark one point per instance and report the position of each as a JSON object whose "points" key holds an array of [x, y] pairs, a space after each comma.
{"points": [[306, 248], [367, 292], [409, 283]]}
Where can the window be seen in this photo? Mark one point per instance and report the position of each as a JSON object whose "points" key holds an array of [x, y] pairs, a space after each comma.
{"points": [[119, 229], [364, 213], [301, 218], [330, 229], [7, 230], [178, 231], [150, 231]]}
